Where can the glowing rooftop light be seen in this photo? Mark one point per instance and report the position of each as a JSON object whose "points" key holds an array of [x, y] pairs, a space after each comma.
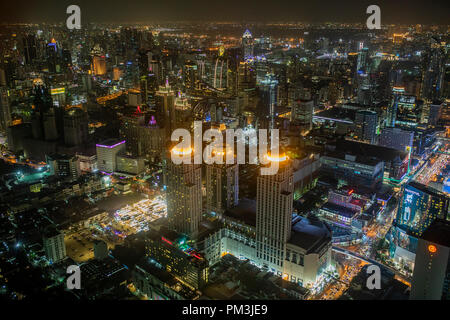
{"points": [[280, 158], [110, 147], [182, 151]]}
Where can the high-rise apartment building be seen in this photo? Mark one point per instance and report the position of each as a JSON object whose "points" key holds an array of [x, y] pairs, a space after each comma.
{"points": [[274, 200], [222, 187], [54, 246], [302, 114], [366, 126], [184, 193]]}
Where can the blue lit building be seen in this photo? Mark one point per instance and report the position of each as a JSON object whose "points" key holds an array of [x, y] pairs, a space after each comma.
{"points": [[418, 208]]}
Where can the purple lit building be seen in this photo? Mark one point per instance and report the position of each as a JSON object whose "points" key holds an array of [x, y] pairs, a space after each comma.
{"points": [[106, 154]]}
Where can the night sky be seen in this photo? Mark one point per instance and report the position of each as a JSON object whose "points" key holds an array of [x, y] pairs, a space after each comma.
{"points": [[392, 11]]}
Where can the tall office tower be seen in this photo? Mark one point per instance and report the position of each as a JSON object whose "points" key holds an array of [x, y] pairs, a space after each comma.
{"points": [[274, 198], [431, 277], [184, 193], [156, 69], [246, 78], [268, 89], [247, 44], [144, 59], [143, 90], [190, 75], [431, 113], [220, 77], [99, 65], [75, 127], [54, 246], [5, 109], [66, 59], [42, 104], [362, 60], [420, 206], [302, 114], [397, 139], [29, 48], [50, 124], [165, 104], [51, 52], [397, 92], [433, 72], [107, 152], [143, 140], [222, 185], [366, 126], [58, 96]]}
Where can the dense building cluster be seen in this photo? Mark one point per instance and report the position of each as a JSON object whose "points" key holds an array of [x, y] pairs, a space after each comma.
{"points": [[87, 122]]}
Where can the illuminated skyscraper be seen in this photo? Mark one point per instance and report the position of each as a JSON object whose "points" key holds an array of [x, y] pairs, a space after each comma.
{"points": [[190, 74], [75, 127], [5, 110], [397, 139], [274, 199], [184, 193], [220, 78], [431, 278], [222, 186], [433, 72], [366, 126], [418, 208], [397, 92], [268, 91], [99, 65], [54, 246], [247, 44], [107, 152], [165, 103], [302, 114]]}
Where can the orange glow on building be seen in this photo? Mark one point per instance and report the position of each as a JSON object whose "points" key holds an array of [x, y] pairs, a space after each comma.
{"points": [[432, 248], [181, 151], [280, 158]]}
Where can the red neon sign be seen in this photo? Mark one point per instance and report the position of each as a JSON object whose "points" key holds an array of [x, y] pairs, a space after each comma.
{"points": [[167, 241]]}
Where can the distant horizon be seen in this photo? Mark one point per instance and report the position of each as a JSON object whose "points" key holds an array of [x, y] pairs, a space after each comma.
{"points": [[400, 12]]}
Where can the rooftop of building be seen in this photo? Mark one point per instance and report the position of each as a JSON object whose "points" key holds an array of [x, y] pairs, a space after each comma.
{"points": [[51, 232], [150, 267], [110, 143], [431, 191], [338, 114], [60, 156], [245, 211], [365, 151], [309, 234], [341, 210], [438, 232]]}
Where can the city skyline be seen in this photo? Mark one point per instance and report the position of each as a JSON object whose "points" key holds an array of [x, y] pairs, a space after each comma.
{"points": [[209, 161]]}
